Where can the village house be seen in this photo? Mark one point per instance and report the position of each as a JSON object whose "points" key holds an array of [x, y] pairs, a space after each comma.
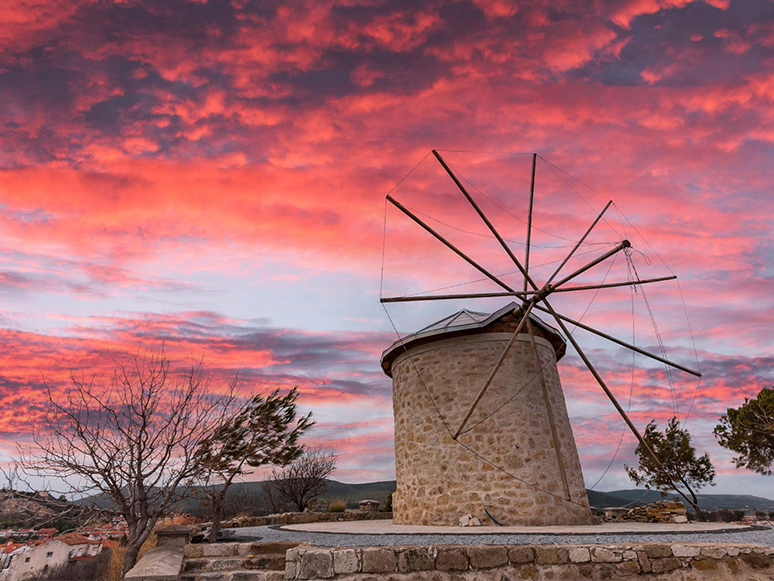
{"points": [[49, 555]]}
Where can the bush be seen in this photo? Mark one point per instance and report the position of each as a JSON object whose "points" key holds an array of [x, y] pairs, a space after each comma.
{"points": [[388, 504], [337, 505]]}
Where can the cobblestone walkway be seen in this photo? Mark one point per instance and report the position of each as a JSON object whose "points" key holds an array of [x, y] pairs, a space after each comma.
{"points": [[761, 536]]}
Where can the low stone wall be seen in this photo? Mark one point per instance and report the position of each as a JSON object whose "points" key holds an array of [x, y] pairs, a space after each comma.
{"points": [[491, 562], [297, 518]]}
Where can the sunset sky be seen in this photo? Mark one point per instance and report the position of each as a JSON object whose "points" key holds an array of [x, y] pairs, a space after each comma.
{"points": [[212, 175]]}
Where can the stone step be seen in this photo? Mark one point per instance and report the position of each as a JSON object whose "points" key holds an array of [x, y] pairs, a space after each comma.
{"points": [[273, 562], [252, 562], [204, 550], [266, 548], [239, 575], [207, 564]]}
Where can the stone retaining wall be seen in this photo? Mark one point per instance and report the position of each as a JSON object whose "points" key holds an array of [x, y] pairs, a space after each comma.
{"points": [[503, 563], [297, 518]]}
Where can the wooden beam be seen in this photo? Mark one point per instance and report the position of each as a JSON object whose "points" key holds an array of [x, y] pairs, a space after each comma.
{"points": [[579, 242], [605, 256], [552, 425], [529, 217], [497, 366], [448, 244], [520, 294], [603, 385], [618, 341], [489, 224]]}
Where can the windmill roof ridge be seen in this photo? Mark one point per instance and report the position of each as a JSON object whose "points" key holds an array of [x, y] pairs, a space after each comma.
{"points": [[466, 321]]}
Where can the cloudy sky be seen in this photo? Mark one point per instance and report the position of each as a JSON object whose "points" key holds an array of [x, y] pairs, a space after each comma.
{"points": [[212, 174]]}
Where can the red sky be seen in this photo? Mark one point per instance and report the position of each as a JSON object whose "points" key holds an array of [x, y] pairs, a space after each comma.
{"points": [[212, 174]]}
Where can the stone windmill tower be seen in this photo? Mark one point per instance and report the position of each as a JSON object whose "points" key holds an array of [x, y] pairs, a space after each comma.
{"points": [[464, 443], [440, 480]]}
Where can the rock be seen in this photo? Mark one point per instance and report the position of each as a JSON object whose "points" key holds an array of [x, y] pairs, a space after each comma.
{"points": [[345, 561], [603, 555], [657, 551], [519, 555], [316, 564], [680, 519], [757, 561], [487, 557], [378, 560], [713, 552], [451, 559], [465, 520], [704, 564], [474, 522], [580, 555], [685, 551], [665, 565], [416, 559], [627, 568], [551, 556]]}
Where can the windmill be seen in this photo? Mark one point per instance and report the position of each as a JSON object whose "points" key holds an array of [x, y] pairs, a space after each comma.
{"points": [[433, 467]]}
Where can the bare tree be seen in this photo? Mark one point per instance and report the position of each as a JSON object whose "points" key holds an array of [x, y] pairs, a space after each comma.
{"points": [[302, 481], [260, 433], [137, 442]]}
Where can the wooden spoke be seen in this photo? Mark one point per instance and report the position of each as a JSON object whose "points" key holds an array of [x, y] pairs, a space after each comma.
{"points": [[605, 256], [602, 384], [618, 341], [529, 218], [520, 294], [579, 242], [448, 244], [496, 368], [485, 219]]}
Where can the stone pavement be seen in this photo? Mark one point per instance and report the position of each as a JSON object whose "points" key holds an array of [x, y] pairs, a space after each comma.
{"points": [[760, 535]]}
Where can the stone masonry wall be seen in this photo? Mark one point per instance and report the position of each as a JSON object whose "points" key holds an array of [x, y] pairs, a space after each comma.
{"points": [[511, 451], [688, 562]]}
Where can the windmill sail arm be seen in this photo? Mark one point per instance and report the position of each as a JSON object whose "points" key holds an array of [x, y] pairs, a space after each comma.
{"points": [[448, 244], [520, 294], [613, 339], [600, 381], [486, 221]]}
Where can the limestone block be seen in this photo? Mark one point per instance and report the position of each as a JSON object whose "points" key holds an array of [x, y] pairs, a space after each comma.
{"points": [[627, 568], [579, 555], [665, 565], [316, 564], [451, 559], [685, 551], [219, 549], [657, 551], [603, 555], [378, 560], [416, 559], [483, 557], [345, 561], [551, 555], [518, 555], [713, 552]]}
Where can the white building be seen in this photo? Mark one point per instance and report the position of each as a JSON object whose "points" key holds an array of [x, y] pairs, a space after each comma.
{"points": [[50, 555]]}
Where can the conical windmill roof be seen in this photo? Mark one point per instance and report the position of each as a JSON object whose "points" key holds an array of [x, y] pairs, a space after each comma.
{"points": [[466, 322]]}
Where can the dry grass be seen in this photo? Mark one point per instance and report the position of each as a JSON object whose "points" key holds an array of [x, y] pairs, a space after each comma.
{"points": [[337, 505]]}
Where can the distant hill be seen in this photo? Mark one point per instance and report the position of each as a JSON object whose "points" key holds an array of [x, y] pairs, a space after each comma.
{"points": [[706, 501], [353, 493]]}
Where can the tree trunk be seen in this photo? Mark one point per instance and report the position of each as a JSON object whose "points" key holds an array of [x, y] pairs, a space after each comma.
{"points": [[134, 544], [130, 556], [217, 510]]}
